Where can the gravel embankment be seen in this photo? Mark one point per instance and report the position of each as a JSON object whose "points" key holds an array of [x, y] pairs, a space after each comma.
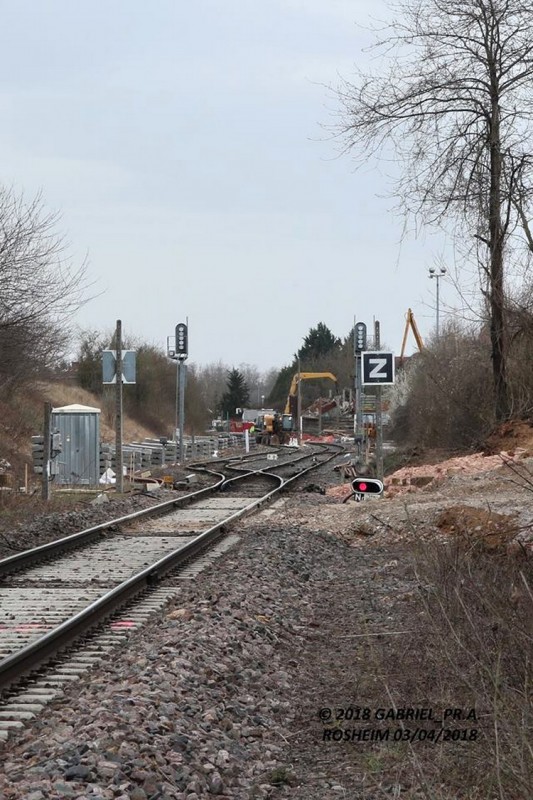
{"points": [[31, 524], [205, 702], [220, 696]]}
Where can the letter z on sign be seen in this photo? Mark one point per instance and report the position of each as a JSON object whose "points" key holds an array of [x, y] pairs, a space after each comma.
{"points": [[378, 368]]}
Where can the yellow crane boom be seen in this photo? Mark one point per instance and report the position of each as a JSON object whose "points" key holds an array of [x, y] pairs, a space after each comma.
{"points": [[410, 323], [303, 376]]}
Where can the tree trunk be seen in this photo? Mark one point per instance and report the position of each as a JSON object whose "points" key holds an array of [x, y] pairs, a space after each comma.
{"points": [[496, 289], [497, 330]]}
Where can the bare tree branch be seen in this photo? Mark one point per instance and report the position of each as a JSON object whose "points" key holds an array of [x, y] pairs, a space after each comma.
{"points": [[39, 289], [455, 103]]}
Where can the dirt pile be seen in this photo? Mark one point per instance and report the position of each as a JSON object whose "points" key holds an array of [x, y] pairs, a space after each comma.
{"points": [[477, 500], [479, 526], [511, 435], [409, 479]]}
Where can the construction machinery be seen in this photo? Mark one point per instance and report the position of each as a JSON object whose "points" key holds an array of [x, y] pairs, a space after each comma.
{"points": [[292, 399], [410, 323], [274, 428], [271, 427]]}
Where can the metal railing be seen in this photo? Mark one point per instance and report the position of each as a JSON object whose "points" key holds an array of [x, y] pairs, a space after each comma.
{"points": [[152, 453]]}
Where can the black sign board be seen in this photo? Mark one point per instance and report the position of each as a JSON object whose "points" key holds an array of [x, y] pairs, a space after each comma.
{"points": [[378, 368]]}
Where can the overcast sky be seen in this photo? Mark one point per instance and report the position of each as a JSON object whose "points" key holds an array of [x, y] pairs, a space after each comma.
{"points": [[183, 143]]}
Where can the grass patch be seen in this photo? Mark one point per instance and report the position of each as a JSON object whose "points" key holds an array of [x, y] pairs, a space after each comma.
{"points": [[470, 659], [281, 776]]}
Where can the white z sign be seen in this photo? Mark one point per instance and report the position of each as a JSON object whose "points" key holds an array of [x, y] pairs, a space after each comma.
{"points": [[377, 372], [377, 368]]}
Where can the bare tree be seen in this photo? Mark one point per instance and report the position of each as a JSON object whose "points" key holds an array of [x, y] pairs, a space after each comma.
{"points": [[212, 380], [452, 377], [39, 288], [455, 104]]}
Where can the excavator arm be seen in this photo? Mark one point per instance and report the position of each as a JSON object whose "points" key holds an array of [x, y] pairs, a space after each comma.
{"points": [[303, 376]]}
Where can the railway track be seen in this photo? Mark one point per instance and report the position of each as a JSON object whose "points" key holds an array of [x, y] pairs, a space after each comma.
{"points": [[99, 584]]}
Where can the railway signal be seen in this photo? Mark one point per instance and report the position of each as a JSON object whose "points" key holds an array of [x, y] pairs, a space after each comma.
{"points": [[182, 344], [360, 337], [182, 353], [367, 486]]}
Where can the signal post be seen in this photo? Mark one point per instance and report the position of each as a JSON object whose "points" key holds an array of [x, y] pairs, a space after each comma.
{"points": [[366, 486], [359, 344], [180, 354], [372, 368]]}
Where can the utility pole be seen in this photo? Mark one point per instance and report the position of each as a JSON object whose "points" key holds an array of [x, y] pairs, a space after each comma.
{"points": [[299, 406], [182, 352], [359, 346], [358, 408], [379, 416], [437, 275], [182, 376], [119, 478], [176, 421], [47, 430]]}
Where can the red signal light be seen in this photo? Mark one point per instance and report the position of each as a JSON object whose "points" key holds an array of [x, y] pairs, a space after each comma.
{"points": [[367, 486]]}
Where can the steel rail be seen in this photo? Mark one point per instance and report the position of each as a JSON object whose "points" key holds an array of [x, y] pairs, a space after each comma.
{"points": [[45, 551], [19, 664], [36, 554], [269, 470], [289, 451]]}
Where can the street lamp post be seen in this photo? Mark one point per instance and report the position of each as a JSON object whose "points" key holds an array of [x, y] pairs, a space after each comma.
{"points": [[437, 275]]}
